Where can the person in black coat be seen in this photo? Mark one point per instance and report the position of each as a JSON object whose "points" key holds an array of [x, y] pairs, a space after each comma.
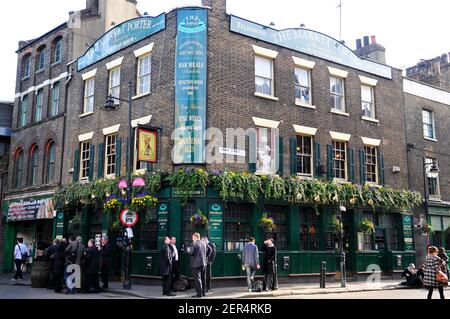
{"points": [[106, 251], [91, 267], [269, 251], [198, 265], [412, 277], [58, 266], [210, 257], [165, 267], [48, 253]]}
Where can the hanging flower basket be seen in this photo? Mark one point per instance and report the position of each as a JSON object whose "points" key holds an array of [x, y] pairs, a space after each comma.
{"points": [[367, 227], [143, 201], [199, 219], [267, 223]]}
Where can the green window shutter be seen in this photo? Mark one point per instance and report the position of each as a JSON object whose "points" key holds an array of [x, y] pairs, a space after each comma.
{"points": [[91, 162], [101, 160], [252, 152], [280, 157], [76, 166], [330, 161], [351, 165], [317, 164], [118, 156], [293, 153], [381, 167], [362, 167]]}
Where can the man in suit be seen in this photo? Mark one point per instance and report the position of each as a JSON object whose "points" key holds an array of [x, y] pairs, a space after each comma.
{"points": [[198, 265], [175, 257], [106, 251], [210, 257], [165, 267], [92, 260]]}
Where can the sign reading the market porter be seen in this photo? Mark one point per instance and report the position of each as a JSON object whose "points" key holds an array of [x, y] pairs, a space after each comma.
{"points": [[190, 83], [122, 36], [216, 225], [408, 232], [31, 209], [163, 219]]}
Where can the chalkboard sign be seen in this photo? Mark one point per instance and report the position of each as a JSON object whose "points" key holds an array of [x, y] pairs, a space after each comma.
{"points": [[216, 224], [163, 218]]}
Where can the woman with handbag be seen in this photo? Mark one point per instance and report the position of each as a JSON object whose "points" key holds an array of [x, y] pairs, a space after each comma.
{"points": [[435, 275]]}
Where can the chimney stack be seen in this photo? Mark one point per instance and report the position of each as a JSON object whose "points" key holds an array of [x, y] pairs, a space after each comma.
{"points": [[374, 39], [358, 44], [366, 41], [371, 49]]}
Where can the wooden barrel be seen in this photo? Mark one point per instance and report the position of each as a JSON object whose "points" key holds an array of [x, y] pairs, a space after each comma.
{"points": [[40, 274]]}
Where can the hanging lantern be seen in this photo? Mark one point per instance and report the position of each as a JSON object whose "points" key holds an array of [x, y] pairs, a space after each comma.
{"points": [[123, 184], [138, 182]]}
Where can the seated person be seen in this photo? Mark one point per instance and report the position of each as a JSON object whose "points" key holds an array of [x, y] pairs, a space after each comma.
{"points": [[413, 277]]}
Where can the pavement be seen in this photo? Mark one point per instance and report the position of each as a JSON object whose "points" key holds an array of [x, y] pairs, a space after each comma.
{"points": [[155, 292]]}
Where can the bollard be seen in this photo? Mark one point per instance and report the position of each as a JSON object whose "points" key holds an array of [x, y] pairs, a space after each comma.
{"points": [[323, 271]]}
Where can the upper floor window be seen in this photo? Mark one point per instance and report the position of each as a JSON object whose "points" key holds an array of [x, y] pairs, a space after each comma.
{"points": [[144, 74], [85, 160], [88, 105], [26, 64], [371, 162], [23, 111], [265, 151], [304, 155], [368, 101], [39, 102], [264, 75], [303, 86], [50, 162], [57, 50], [140, 167], [55, 99], [337, 91], [432, 177], [114, 84], [340, 160], [18, 171], [111, 155], [428, 124], [34, 163], [40, 59]]}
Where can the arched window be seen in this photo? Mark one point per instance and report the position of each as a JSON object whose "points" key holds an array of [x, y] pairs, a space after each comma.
{"points": [[18, 169], [34, 162], [40, 61], [57, 50], [50, 162], [26, 66]]}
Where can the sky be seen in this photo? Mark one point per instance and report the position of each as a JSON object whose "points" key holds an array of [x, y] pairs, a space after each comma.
{"points": [[410, 30]]}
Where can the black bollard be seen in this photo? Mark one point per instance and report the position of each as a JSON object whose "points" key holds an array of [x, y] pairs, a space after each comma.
{"points": [[323, 270]]}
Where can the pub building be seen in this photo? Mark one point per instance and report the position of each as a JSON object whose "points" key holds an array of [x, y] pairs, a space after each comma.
{"points": [[312, 107]]}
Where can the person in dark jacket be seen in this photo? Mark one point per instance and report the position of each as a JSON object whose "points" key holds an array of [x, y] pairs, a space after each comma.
{"points": [[210, 257], [48, 253], [269, 251], [198, 265], [165, 267], [444, 257], [106, 250], [92, 267], [412, 277], [59, 262]]}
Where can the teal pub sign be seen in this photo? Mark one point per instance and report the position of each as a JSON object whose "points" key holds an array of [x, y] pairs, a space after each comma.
{"points": [[191, 86], [122, 36], [309, 42]]}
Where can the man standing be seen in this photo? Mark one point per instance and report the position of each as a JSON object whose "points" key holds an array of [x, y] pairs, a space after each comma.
{"points": [[269, 263], [198, 265], [20, 257], [49, 252], [92, 266], [250, 261], [165, 267], [175, 269], [210, 257], [106, 251], [74, 252]]}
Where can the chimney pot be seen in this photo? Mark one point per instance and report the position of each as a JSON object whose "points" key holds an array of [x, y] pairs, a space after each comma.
{"points": [[373, 39], [366, 41], [358, 44]]}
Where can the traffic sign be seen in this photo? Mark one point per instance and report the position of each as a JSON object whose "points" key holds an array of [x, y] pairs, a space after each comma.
{"points": [[128, 218]]}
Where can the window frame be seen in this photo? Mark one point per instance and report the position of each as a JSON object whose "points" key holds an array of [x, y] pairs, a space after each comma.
{"points": [[367, 156], [311, 155], [335, 151], [306, 219], [85, 149], [236, 224], [140, 77], [371, 103], [18, 169], [33, 165], [24, 111], [39, 105], [110, 155], [113, 88], [57, 48], [88, 96], [272, 77], [148, 231], [334, 94], [260, 147], [26, 66], [50, 163], [55, 101], [298, 85], [437, 194], [136, 163], [428, 125], [41, 54], [273, 211]]}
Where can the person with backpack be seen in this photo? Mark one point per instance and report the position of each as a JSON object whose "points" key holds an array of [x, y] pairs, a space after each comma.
{"points": [[20, 257], [250, 261], [210, 257]]}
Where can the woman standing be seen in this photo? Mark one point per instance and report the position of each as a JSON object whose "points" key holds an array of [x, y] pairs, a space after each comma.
{"points": [[269, 251], [433, 264]]}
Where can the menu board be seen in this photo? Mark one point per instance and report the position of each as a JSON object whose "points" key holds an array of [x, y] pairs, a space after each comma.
{"points": [[216, 225]]}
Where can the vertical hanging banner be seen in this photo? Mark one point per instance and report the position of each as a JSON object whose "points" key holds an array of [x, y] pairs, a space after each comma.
{"points": [[191, 86]]}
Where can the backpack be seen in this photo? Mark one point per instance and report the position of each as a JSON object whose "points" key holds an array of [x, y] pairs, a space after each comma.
{"points": [[181, 284], [24, 255], [257, 286]]}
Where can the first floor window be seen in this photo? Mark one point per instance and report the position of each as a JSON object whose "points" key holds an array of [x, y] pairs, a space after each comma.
{"points": [[84, 160], [144, 74], [428, 124], [266, 151], [432, 177], [50, 159], [340, 160], [386, 232], [114, 84], [371, 153], [55, 100], [24, 111], [303, 86], [89, 86], [148, 239], [337, 91], [304, 155], [367, 237], [34, 162], [110, 154], [309, 230], [264, 75], [39, 102], [368, 101], [188, 228], [279, 214], [237, 226], [18, 174]]}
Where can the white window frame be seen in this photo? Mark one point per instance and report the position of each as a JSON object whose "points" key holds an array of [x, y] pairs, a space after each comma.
{"points": [[39, 105], [371, 103], [366, 162], [140, 171], [428, 162], [341, 95], [335, 151], [85, 157], [55, 101], [110, 155], [299, 101], [114, 83], [141, 77], [89, 95], [433, 126], [260, 147], [272, 82], [304, 155]]}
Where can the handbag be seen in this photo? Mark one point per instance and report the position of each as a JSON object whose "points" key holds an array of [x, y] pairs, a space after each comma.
{"points": [[441, 277]]}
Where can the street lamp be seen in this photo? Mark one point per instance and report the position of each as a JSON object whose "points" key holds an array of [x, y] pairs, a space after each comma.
{"points": [[110, 105], [434, 171], [342, 209]]}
